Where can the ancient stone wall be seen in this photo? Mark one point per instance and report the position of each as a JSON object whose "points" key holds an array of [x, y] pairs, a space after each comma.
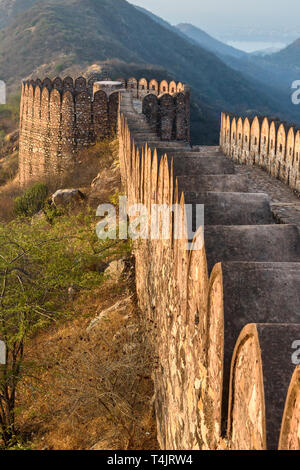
{"points": [[61, 117], [58, 119], [223, 312], [290, 436], [267, 143], [142, 87], [169, 114]]}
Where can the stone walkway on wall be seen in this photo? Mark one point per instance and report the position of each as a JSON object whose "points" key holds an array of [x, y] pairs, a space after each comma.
{"points": [[285, 203], [220, 312]]}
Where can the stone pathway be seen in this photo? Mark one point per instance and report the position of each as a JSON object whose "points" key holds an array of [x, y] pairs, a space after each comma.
{"points": [[285, 203], [261, 181], [254, 264]]}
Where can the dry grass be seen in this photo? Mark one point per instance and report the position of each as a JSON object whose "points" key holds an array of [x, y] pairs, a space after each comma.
{"points": [[88, 389], [8, 193], [95, 161], [8, 168], [91, 389]]}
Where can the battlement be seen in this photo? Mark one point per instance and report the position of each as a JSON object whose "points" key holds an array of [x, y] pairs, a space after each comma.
{"points": [[61, 117], [220, 305], [265, 142], [138, 87]]}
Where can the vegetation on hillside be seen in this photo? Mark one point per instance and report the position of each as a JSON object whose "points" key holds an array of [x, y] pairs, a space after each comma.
{"points": [[38, 263], [31, 201], [91, 387], [9, 121], [51, 33], [289, 56], [9, 9], [65, 385]]}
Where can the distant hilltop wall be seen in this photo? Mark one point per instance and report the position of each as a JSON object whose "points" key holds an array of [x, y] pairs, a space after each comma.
{"points": [[61, 117], [267, 143], [58, 119], [169, 115], [141, 88]]}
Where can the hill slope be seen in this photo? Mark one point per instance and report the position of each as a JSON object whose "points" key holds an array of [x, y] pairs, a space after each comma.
{"points": [[264, 71], [208, 42], [9, 9], [289, 57], [66, 32], [156, 18]]}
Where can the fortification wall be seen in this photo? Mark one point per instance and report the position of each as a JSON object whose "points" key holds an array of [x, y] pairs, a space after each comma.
{"points": [[269, 144], [61, 117], [161, 279], [58, 119], [142, 87], [169, 114], [221, 332]]}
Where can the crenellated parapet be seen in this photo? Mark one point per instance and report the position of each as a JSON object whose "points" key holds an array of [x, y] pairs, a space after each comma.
{"points": [[265, 142], [58, 119], [220, 305], [142, 87], [61, 117], [169, 114]]}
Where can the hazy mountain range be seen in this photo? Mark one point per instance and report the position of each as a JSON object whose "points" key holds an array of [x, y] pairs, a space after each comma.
{"points": [[61, 36], [208, 42], [278, 69], [9, 9]]}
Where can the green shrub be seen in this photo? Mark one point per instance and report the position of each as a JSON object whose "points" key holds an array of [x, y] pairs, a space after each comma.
{"points": [[59, 67], [8, 167], [31, 201], [11, 110], [38, 265]]}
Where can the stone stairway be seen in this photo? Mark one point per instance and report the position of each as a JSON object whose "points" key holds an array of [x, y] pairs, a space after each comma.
{"points": [[253, 278]]}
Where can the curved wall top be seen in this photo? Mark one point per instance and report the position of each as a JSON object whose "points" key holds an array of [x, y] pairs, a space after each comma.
{"points": [[266, 142]]}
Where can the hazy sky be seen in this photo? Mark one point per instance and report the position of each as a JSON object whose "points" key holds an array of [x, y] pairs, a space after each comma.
{"points": [[222, 14]]}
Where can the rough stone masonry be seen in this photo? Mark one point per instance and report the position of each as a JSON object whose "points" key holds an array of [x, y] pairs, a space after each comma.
{"points": [[223, 318], [60, 118]]}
